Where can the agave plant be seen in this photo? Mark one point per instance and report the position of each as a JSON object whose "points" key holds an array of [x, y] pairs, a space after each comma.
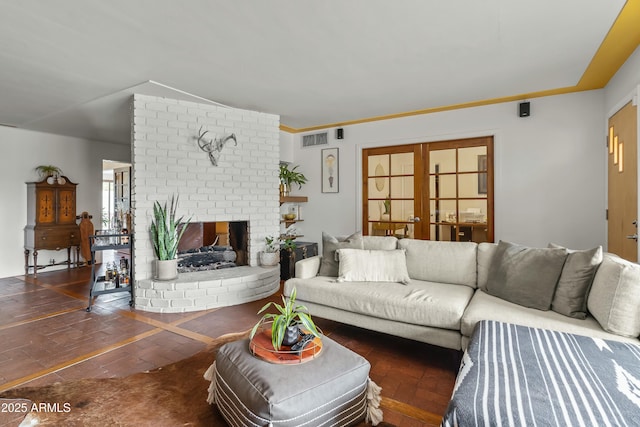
{"points": [[289, 314], [166, 230]]}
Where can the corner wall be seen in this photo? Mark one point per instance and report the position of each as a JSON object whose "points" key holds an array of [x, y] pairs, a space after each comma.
{"points": [[168, 161]]}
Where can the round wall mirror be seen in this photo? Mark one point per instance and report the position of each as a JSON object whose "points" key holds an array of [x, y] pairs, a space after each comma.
{"points": [[379, 179]]}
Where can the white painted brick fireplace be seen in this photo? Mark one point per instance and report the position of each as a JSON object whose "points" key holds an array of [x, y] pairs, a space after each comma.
{"points": [[243, 187]]}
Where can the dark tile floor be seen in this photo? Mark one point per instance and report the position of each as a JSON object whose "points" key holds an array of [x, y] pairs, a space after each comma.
{"points": [[47, 336]]}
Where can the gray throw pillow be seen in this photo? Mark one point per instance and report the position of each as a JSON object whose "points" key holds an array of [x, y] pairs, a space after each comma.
{"points": [[525, 276], [329, 265], [577, 275]]}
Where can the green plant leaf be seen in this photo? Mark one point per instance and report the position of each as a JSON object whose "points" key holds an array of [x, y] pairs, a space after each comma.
{"points": [[306, 321], [166, 230]]}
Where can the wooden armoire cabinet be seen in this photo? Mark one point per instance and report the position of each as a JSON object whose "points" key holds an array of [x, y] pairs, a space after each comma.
{"points": [[51, 220]]}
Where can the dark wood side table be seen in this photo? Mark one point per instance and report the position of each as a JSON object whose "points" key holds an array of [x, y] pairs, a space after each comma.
{"points": [[288, 258]]}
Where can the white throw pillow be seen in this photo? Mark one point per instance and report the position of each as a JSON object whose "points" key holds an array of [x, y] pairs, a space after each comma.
{"points": [[361, 265], [614, 299], [329, 264]]}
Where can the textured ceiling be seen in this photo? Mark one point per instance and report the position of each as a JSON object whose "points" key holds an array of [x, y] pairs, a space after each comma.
{"points": [[69, 66]]}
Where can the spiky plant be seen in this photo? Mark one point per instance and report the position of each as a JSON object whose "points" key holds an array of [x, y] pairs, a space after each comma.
{"points": [[289, 314], [166, 230]]}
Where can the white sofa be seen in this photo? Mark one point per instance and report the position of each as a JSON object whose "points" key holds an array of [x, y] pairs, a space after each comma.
{"points": [[445, 296]]}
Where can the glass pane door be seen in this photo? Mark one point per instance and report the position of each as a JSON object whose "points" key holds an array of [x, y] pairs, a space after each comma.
{"points": [[436, 190], [459, 190], [390, 191]]}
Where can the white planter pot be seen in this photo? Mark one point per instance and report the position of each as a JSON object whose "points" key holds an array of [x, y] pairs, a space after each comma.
{"points": [[269, 259], [167, 269]]}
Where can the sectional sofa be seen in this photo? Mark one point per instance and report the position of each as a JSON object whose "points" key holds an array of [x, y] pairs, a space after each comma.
{"points": [[436, 292]]}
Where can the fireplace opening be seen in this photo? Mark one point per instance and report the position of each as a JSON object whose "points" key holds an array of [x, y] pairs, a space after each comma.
{"points": [[213, 245]]}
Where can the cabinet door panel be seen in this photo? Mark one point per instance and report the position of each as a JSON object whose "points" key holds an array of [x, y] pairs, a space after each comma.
{"points": [[66, 207], [45, 205]]}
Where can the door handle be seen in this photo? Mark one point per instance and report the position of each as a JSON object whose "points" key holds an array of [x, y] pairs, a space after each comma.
{"points": [[416, 219], [633, 237]]}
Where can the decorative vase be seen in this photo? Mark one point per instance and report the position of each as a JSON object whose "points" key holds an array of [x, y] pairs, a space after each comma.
{"points": [[269, 259], [166, 269], [291, 335], [285, 189]]}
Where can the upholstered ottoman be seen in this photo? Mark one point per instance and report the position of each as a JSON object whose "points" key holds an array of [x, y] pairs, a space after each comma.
{"points": [[332, 389]]}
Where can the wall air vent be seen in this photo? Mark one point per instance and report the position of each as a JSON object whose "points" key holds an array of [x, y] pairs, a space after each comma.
{"points": [[315, 139]]}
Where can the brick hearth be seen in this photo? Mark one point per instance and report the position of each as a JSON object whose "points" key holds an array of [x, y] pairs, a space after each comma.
{"points": [[203, 290]]}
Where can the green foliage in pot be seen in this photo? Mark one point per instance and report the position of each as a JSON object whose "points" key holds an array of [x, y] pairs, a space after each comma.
{"points": [[45, 171], [166, 230], [387, 205], [273, 244], [289, 244], [290, 176], [289, 314]]}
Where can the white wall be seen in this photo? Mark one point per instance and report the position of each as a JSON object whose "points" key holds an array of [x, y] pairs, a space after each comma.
{"points": [[22, 151], [286, 147], [549, 173], [623, 82]]}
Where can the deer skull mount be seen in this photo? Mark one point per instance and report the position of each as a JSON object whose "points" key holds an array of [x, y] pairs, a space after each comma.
{"points": [[214, 146]]}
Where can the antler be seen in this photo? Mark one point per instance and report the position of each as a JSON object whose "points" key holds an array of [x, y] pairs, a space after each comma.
{"points": [[204, 145], [214, 146]]}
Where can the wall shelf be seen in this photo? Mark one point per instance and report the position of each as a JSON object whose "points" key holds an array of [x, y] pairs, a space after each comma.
{"points": [[294, 199]]}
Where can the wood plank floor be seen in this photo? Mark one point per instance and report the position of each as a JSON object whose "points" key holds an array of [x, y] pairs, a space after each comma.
{"points": [[46, 336]]}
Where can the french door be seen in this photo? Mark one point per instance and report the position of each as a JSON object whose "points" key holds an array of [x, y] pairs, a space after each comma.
{"points": [[392, 191], [433, 191]]}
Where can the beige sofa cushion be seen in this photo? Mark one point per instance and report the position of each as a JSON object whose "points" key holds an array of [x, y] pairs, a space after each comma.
{"points": [[445, 262], [420, 303], [614, 299], [383, 243], [486, 251], [362, 265], [484, 306], [329, 264]]}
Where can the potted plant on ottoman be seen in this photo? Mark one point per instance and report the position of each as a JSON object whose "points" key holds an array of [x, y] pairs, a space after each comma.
{"points": [[166, 232], [285, 325], [271, 254]]}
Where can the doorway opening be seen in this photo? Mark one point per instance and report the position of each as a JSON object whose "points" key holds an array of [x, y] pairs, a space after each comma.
{"points": [[116, 197]]}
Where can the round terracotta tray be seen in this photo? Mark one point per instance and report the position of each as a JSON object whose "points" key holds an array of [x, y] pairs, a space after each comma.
{"points": [[261, 347]]}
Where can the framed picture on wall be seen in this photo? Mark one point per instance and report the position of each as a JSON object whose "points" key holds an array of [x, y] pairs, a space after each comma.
{"points": [[330, 170], [482, 177]]}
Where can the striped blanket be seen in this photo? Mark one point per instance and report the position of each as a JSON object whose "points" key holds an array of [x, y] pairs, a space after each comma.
{"points": [[519, 376]]}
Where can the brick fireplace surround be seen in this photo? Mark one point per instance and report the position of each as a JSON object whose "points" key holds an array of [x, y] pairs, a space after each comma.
{"points": [[243, 187]]}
